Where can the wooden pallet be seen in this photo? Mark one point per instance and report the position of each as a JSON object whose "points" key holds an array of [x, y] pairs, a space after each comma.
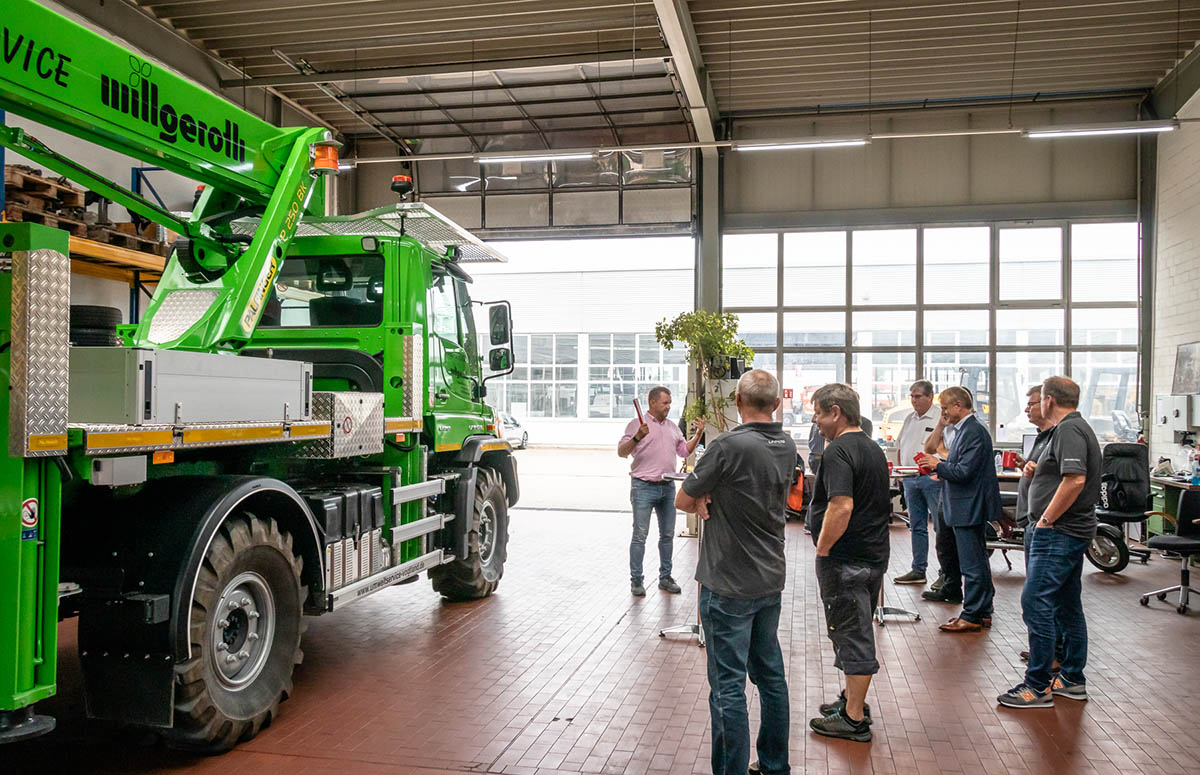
{"points": [[111, 235], [16, 212], [20, 181]]}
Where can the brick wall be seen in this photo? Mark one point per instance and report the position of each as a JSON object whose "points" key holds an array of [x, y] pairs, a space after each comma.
{"points": [[1176, 308]]}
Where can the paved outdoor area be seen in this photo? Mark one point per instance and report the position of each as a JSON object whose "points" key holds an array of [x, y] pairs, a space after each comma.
{"points": [[574, 478], [563, 672]]}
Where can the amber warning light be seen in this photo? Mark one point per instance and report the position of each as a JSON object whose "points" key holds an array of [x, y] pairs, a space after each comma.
{"points": [[402, 185], [326, 159]]}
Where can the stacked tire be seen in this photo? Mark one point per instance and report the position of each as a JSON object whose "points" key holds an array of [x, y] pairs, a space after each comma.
{"points": [[94, 326]]}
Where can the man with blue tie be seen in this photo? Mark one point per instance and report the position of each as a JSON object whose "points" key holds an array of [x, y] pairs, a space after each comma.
{"points": [[971, 499]]}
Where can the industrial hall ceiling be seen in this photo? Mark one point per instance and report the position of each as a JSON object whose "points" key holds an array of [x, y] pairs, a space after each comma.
{"points": [[446, 76]]}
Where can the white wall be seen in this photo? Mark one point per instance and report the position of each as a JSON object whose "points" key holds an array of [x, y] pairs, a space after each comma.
{"points": [[932, 172], [1177, 264]]}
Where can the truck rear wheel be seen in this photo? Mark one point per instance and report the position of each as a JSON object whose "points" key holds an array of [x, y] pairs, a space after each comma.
{"points": [[478, 574], [245, 636]]}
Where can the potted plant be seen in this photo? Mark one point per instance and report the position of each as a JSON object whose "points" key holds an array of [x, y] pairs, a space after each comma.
{"points": [[712, 341]]}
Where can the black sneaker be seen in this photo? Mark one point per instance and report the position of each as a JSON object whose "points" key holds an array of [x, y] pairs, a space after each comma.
{"points": [[667, 584], [1024, 696], [637, 588], [941, 596], [912, 577], [839, 704], [839, 725]]}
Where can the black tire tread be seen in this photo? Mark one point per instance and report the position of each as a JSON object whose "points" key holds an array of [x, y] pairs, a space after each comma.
{"points": [[463, 579], [1122, 557], [199, 726], [94, 337], [94, 316]]}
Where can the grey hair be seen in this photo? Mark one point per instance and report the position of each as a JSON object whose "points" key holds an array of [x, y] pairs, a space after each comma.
{"points": [[842, 396], [924, 385], [1034, 389], [759, 390], [655, 392], [1063, 390]]}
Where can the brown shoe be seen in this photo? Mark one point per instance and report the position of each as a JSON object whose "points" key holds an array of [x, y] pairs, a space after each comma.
{"points": [[987, 622], [1053, 668], [960, 625]]}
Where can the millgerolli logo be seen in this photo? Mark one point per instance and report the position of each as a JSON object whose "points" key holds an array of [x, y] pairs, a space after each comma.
{"points": [[137, 96]]}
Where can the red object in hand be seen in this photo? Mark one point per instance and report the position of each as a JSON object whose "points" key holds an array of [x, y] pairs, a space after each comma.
{"points": [[922, 469], [1009, 460], [637, 407]]}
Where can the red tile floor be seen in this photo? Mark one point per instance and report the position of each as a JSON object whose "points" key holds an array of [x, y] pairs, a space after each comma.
{"points": [[563, 672]]}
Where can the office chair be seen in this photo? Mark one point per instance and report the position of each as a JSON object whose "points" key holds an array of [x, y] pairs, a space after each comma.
{"points": [[1124, 499], [1185, 542]]}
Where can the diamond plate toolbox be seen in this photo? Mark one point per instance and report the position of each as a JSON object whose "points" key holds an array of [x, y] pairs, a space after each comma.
{"points": [[413, 402], [41, 304], [357, 424]]}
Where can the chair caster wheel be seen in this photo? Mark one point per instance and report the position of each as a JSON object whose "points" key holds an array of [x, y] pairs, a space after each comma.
{"points": [[1181, 609], [1145, 600], [1161, 596]]}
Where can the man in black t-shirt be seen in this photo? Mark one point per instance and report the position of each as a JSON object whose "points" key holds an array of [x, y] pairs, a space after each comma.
{"points": [[1062, 513], [740, 488], [849, 523]]}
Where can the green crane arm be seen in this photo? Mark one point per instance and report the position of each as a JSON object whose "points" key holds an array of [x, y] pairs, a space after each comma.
{"points": [[58, 73]]}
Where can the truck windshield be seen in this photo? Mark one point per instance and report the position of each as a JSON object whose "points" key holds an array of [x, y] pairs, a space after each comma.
{"points": [[326, 292]]}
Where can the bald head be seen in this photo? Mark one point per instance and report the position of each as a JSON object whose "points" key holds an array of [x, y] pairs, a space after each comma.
{"points": [[758, 392]]}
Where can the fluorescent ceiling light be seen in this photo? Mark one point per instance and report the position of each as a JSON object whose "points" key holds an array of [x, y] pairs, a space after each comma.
{"points": [[791, 145], [1092, 130], [536, 157]]}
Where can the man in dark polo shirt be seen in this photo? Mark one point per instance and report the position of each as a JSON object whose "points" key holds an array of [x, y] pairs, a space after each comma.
{"points": [[849, 522], [740, 489], [1062, 508]]}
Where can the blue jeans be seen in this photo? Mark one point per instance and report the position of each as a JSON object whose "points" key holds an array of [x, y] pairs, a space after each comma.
{"points": [[922, 496], [1053, 606], [647, 497], [742, 638], [976, 573]]}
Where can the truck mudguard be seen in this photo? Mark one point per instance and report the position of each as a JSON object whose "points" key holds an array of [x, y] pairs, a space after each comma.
{"points": [[494, 453]]}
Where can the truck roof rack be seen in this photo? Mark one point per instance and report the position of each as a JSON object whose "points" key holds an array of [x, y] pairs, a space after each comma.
{"points": [[414, 219]]}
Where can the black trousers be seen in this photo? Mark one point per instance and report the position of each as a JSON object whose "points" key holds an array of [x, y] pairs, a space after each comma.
{"points": [[947, 554]]}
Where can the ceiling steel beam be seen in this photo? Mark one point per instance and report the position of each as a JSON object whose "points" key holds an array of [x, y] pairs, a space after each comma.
{"points": [[668, 93], [502, 133], [525, 117], [676, 24], [453, 68], [341, 98]]}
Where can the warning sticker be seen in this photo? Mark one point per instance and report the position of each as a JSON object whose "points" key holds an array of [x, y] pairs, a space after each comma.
{"points": [[29, 519], [29, 513]]}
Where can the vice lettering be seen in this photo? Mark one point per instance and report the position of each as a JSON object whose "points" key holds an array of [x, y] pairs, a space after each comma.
{"points": [[42, 60]]}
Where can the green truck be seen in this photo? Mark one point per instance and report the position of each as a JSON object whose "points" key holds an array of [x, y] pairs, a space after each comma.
{"points": [[296, 421]]}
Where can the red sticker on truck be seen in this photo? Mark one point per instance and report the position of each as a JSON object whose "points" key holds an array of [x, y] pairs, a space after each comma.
{"points": [[29, 519], [29, 513]]}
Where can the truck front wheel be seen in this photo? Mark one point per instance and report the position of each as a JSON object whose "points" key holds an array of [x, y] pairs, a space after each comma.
{"points": [[245, 636], [478, 574]]}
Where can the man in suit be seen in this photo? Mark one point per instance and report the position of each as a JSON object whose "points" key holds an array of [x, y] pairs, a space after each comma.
{"points": [[971, 498]]}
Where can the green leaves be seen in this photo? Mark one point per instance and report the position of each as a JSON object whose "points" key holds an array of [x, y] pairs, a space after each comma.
{"points": [[711, 339]]}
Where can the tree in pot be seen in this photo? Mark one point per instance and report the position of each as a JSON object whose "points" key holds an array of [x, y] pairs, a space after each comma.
{"points": [[712, 342]]}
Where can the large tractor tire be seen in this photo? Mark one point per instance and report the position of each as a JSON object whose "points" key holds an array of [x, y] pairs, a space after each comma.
{"points": [[478, 574], [245, 637]]}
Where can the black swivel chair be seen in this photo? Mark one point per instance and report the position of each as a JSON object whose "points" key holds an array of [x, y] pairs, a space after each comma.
{"points": [[1185, 542], [1124, 499]]}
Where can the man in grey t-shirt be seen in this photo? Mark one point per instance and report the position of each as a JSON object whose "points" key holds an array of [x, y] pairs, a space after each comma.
{"points": [[740, 489], [1062, 507]]}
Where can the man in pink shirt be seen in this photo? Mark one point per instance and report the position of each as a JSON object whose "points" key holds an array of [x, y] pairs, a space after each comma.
{"points": [[654, 445]]}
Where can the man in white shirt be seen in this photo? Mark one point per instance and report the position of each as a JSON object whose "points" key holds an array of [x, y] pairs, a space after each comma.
{"points": [[922, 494]]}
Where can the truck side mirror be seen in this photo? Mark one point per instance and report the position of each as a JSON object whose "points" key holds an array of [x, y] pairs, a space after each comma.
{"points": [[500, 359], [499, 325]]}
